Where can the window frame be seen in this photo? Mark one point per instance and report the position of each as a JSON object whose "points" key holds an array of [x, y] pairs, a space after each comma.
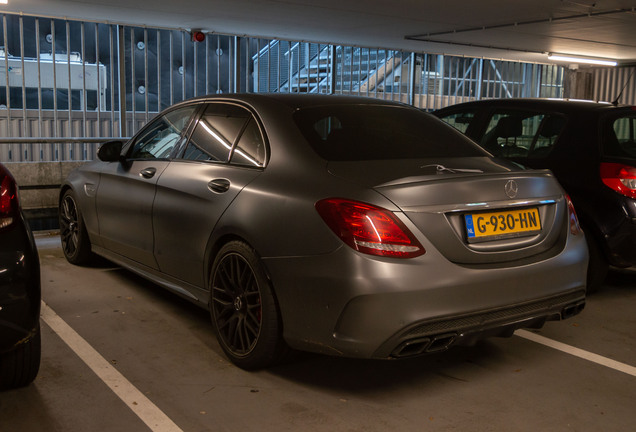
{"points": [[129, 147], [252, 116]]}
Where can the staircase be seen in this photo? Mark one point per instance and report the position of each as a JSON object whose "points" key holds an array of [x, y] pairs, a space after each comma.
{"points": [[301, 67]]}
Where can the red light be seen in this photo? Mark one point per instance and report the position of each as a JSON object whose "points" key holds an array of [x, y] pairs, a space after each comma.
{"points": [[8, 198], [575, 227], [619, 177], [369, 229], [198, 36]]}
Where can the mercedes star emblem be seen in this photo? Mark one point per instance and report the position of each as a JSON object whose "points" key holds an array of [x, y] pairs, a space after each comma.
{"points": [[511, 188]]}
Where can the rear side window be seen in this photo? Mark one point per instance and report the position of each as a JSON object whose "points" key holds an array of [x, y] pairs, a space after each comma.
{"points": [[250, 149], [216, 132], [522, 134], [225, 133], [380, 132], [621, 141]]}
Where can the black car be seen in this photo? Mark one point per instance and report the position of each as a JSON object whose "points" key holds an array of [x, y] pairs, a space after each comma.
{"points": [[591, 149], [19, 291]]}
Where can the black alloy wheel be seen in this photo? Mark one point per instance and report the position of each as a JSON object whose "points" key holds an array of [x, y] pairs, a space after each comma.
{"points": [[75, 242], [237, 304], [243, 308]]}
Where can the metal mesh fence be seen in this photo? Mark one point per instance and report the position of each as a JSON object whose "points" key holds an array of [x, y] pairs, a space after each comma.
{"points": [[62, 79]]}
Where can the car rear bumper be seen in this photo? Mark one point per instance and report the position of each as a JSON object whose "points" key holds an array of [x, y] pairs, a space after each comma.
{"points": [[439, 334], [354, 305], [19, 288]]}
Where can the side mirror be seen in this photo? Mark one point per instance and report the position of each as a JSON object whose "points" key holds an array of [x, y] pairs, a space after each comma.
{"points": [[110, 151]]}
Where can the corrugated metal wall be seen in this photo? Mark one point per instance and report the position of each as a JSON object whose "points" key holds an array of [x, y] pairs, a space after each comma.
{"points": [[609, 83]]}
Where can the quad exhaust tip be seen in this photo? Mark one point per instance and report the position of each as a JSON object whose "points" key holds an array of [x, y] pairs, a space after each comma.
{"points": [[425, 345], [572, 309]]}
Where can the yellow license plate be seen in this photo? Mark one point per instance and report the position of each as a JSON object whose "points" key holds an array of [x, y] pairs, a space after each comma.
{"points": [[512, 223]]}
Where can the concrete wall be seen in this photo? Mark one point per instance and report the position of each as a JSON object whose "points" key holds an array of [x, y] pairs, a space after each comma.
{"points": [[40, 182], [578, 84]]}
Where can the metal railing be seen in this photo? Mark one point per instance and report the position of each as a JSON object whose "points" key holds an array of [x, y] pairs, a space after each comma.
{"points": [[63, 78], [70, 149]]}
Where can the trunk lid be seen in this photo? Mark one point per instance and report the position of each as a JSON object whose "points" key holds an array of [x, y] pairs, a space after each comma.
{"points": [[473, 210]]}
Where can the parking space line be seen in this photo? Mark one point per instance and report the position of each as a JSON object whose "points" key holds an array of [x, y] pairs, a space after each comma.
{"points": [[603, 361], [148, 412]]}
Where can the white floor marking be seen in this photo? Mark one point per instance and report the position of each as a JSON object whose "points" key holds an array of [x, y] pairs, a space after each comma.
{"points": [[604, 361], [148, 412], [157, 421]]}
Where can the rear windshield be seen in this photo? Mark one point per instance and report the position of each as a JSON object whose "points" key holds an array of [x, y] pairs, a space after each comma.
{"points": [[522, 134], [621, 138], [380, 132]]}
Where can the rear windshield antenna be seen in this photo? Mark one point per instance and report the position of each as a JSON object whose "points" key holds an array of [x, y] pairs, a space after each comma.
{"points": [[623, 89]]}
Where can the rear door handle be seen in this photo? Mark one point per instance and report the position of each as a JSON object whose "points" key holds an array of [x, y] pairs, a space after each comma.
{"points": [[148, 172], [219, 185]]}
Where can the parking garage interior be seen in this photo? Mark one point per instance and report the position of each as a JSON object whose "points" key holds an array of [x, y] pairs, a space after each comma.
{"points": [[119, 353]]}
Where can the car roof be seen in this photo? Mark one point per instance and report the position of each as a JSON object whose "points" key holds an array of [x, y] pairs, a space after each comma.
{"points": [[561, 105], [294, 100]]}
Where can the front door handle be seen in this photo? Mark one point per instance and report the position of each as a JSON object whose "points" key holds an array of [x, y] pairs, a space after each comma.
{"points": [[148, 172], [219, 185]]}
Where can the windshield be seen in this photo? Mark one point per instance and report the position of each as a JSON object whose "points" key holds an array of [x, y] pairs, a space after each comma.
{"points": [[380, 132]]}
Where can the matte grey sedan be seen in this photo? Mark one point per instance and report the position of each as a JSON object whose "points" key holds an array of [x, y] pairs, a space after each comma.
{"points": [[342, 225]]}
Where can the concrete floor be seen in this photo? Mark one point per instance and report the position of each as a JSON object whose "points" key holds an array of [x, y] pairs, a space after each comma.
{"points": [[165, 348]]}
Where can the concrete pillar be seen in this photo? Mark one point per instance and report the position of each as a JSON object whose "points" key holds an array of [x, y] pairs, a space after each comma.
{"points": [[578, 84]]}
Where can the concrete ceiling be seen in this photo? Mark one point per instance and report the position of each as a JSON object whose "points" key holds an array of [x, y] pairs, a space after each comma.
{"points": [[500, 29]]}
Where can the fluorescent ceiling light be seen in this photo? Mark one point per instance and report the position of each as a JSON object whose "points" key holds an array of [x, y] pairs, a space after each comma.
{"points": [[559, 57], [4, 1]]}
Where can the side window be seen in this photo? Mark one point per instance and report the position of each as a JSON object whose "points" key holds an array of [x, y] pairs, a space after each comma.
{"points": [[522, 134], [459, 121], [250, 149], [160, 137], [623, 141], [216, 132]]}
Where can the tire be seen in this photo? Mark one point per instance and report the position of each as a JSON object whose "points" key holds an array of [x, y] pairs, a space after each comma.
{"points": [[75, 242], [597, 267], [18, 368], [243, 309]]}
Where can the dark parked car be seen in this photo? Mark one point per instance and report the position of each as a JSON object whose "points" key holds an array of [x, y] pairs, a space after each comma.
{"points": [[19, 291], [590, 148], [342, 225]]}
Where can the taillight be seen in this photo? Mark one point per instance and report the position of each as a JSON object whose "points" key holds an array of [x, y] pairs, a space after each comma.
{"points": [[369, 229], [619, 177], [8, 198], [575, 228]]}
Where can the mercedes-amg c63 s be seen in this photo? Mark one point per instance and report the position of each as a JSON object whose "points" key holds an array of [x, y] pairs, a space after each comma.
{"points": [[341, 225]]}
